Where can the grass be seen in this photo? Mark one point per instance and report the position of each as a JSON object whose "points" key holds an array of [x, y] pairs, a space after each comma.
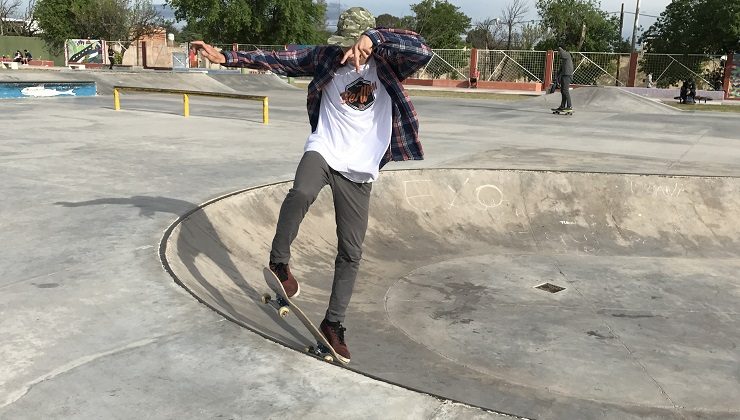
{"points": [[706, 107], [450, 94]]}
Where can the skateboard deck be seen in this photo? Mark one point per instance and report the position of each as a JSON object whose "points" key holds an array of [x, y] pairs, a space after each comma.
{"points": [[284, 306], [561, 112]]}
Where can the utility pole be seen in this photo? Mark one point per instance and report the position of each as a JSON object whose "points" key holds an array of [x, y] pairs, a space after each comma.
{"points": [[621, 28], [634, 29]]}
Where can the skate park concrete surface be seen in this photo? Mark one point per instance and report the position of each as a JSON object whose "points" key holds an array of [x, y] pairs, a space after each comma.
{"points": [[630, 206]]}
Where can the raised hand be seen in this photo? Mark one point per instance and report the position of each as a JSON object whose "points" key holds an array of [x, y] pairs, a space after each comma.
{"points": [[208, 51], [359, 52]]}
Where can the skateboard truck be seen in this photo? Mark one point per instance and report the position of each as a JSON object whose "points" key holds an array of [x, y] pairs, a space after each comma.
{"points": [[285, 306]]}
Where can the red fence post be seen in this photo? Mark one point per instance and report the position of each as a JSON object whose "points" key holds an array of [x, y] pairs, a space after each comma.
{"points": [[473, 76], [729, 64], [634, 58], [549, 60]]}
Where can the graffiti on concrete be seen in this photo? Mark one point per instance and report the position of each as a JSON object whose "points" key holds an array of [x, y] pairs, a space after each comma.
{"points": [[735, 82], [84, 51]]}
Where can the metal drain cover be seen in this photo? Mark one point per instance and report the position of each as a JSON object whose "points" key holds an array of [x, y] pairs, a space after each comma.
{"points": [[549, 287]]}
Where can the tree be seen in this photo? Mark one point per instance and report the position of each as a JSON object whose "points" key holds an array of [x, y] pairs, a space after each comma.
{"points": [[696, 26], [578, 25], [258, 22], [112, 20], [440, 23], [187, 34], [387, 21], [532, 34], [322, 25], [7, 9], [486, 35], [691, 27], [56, 19], [29, 25], [512, 15]]}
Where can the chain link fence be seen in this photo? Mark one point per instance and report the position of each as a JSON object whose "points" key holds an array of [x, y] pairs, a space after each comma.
{"points": [[591, 68], [597, 68], [446, 64], [670, 70], [511, 66]]}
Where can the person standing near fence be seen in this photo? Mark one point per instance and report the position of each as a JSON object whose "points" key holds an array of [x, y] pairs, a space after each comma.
{"points": [[111, 57], [564, 78], [361, 118]]}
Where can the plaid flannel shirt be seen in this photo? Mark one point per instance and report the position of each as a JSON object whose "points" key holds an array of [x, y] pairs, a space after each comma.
{"points": [[398, 53]]}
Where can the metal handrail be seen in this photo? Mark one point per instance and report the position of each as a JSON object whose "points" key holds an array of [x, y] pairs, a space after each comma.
{"points": [[186, 97]]}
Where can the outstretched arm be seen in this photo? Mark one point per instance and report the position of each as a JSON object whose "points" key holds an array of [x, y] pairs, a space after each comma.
{"points": [[406, 51], [288, 63]]}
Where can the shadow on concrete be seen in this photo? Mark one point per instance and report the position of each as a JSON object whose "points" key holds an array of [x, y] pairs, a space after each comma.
{"points": [[210, 247]]}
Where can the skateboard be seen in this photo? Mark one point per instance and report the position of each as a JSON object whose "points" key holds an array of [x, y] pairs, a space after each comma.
{"points": [[285, 306], [561, 112]]}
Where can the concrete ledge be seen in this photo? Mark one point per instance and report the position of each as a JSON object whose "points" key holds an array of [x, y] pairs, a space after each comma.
{"points": [[41, 63], [532, 87], [10, 65], [671, 93]]}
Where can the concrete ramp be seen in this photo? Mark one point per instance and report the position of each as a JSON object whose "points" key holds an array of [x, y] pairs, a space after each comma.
{"points": [[540, 294], [604, 99], [232, 81], [106, 80], [252, 83]]}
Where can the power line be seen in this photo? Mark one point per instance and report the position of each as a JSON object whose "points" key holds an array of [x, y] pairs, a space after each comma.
{"points": [[632, 13]]}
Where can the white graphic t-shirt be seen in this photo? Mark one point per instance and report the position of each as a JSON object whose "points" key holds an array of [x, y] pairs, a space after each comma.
{"points": [[354, 128]]}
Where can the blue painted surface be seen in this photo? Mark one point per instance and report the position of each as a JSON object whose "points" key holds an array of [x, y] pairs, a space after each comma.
{"points": [[10, 90]]}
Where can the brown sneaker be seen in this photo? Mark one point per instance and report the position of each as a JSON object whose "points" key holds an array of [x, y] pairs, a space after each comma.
{"points": [[291, 286], [334, 333]]}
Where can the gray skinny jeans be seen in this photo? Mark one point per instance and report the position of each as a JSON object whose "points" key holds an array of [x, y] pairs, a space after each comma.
{"points": [[351, 207], [565, 91]]}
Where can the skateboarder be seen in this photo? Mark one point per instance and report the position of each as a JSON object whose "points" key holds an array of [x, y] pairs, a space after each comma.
{"points": [[564, 77], [361, 118], [688, 92], [111, 57]]}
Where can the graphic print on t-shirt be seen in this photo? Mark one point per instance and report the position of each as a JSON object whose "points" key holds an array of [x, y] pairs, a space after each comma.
{"points": [[359, 94]]}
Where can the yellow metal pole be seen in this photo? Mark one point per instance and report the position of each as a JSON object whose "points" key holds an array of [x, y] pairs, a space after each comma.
{"points": [[116, 100], [186, 104], [265, 111]]}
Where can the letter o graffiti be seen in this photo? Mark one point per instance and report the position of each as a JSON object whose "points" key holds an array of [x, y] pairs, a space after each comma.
{"points": [[489, 203]]}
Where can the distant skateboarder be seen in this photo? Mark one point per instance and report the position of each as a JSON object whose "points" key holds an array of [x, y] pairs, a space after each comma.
{"points": [[564, 78], [111, 57], [361, 118], [688, 92]]}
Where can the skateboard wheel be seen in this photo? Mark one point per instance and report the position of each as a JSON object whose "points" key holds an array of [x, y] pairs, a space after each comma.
{"points": [[308, 349], [284, 311], [329, 358], [266, 298]]}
